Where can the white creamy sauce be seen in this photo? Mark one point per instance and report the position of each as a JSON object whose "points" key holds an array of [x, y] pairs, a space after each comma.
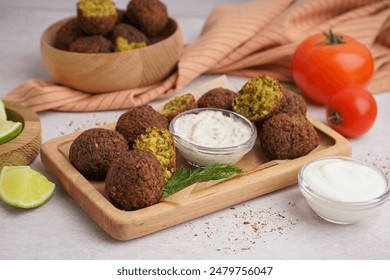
{"points": [[212, 129], [342, 180]]}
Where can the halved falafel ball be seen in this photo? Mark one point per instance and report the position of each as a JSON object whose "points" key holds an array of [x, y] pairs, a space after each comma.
{"points": [[126, 37], [217, 98], [159, 142], [150, 16], [135, 180], [136, 120], [67, 34], [177, 105], [258, 98], [96, 17], [92, 44], [292, 103], [123, 45], [93, 150], [284, 136]]}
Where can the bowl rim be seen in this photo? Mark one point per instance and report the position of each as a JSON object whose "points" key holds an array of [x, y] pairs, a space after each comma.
{"points": [[52, 28], [248, 144], [305, 188], [25, 147]]}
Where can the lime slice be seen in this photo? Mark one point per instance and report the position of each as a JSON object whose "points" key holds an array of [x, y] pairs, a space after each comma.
{"points": [[23, 187], [9, 130], [3, 113]]}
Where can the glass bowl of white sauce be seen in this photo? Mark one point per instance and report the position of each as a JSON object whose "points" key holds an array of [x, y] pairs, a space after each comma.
{"points": [[343, 190], [206, 136]]}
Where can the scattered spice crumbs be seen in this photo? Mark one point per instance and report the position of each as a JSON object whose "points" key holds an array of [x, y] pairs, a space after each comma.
{"points": [[382, 164], [244, 228], [72, 126]]}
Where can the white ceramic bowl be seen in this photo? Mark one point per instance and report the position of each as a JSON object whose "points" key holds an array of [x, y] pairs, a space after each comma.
{"points": [[341, 198], [202, 156]]}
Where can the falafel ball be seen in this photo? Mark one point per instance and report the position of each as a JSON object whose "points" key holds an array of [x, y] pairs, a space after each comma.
{"points": [[217, 98], [135, 180], [92, 44], [159, 142], [96, 17], [292, 103], [122, 45], [67, 34], [150, 16], [177, 105], [127, 37], [258, 98], [136, 120], [284, 136], [94, 149]]}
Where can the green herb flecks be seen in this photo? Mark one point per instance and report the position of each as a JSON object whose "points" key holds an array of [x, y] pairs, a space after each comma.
{"points": [[185, 176]]}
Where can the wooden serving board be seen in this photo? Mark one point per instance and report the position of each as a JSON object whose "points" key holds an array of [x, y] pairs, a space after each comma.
{"points": [[260, 177], [23, 149]]}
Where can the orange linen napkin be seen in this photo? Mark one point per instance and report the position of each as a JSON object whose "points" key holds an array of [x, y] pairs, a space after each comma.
{"points": [[249, 39]]}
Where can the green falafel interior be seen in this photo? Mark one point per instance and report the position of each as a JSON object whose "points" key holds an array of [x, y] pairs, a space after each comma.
{"points": [[177, 104], [92, 8], [258, 98], [123, 45], [160, 143]]}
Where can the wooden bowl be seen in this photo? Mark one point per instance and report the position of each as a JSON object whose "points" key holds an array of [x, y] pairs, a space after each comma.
{"points": [[106, 72], [24, 148]]}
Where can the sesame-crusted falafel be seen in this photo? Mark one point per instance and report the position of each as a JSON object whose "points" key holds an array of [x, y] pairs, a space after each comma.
{"points": [[217, 98], [292, 103], [67, 34], [284, 136], [96, 17], [136, 120], [150, 16], [91, 44], [135, 180], [258, 98], [159, 142], [93, 150], [178, 105]]}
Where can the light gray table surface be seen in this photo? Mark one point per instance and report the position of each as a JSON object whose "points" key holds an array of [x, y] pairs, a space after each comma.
{"points": [[61, 229]]}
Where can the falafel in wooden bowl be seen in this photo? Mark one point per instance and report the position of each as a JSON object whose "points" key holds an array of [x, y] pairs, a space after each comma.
{"points": [[122, 56]]}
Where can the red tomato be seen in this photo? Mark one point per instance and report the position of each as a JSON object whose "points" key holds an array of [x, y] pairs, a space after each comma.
{"points": [[351, 112], [324, 64]]}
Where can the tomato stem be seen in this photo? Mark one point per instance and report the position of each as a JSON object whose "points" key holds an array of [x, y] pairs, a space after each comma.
{"points": [[332, 39], [334, 117]]}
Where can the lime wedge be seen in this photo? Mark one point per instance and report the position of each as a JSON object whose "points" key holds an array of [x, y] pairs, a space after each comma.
{"points": [[23, 187], [9, 130], [3, 113]]}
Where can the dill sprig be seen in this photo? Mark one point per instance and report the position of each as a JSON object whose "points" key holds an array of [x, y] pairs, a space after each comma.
{"points": [[185, 176]]}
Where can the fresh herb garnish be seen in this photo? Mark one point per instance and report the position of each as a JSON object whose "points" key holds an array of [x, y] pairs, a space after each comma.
{"points": [[185, 176]]}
